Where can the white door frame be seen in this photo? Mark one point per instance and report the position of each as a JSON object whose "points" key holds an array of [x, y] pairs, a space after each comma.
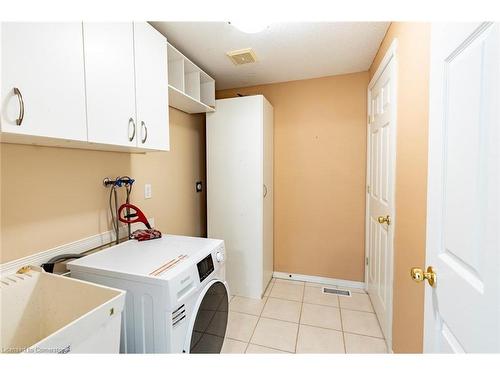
{"points": [[390, 55]]}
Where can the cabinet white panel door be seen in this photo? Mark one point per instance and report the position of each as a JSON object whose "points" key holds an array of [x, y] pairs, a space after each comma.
{"points": [[109, 78], [44, 62], [151, 87], [268, 192], [235, 190]]}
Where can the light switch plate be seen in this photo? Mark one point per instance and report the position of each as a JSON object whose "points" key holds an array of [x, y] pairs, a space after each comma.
{"points": [[147, 191]]}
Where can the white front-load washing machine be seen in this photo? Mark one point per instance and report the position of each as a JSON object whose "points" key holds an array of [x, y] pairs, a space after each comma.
{"points": [[177, 297]]}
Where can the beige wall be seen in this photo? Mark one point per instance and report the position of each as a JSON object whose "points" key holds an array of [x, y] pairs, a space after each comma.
{"points": [[319, 174], [411, 178], [177, 208], [53, 196]]}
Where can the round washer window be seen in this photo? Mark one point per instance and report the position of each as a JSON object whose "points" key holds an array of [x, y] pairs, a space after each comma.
{"points": [[211, 321]]}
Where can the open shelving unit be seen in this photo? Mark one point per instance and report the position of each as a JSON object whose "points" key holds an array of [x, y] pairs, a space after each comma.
{"points": [[190, 89]]}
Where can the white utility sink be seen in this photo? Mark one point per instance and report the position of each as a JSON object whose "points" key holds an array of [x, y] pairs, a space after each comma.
{"points": [[46, 313]]}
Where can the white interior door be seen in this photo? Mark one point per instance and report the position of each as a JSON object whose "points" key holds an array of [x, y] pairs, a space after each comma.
{"points": [[380, 190], [462, 310]]}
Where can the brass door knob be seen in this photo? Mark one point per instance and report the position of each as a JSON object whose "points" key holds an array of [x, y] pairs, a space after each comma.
{"points": [[384, 219], [418, 275]]}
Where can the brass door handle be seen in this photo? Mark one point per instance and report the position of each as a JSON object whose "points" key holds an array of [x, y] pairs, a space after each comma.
{"points": [[418, 275], [384, 219]]}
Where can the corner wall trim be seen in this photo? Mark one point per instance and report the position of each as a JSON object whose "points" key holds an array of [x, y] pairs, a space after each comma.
{"points": [[319, 280], [77, 247]]}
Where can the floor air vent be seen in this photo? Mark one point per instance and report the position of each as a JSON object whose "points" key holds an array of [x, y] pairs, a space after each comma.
{"points": [[340, 292]]}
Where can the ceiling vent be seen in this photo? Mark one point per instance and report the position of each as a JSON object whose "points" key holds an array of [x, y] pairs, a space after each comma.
{"points": [[242, 56]]}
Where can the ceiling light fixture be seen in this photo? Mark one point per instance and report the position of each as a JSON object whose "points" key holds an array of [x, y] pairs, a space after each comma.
{"points": [[250, 26]]}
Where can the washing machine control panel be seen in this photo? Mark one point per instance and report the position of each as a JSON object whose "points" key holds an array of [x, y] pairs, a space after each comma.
{"points": [[219, 256], [205, 267]]}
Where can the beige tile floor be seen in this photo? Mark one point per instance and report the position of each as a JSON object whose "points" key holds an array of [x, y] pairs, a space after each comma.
{"points": [[296, 317]]}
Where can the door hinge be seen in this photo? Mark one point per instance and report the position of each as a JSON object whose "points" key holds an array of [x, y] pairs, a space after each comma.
{"points": [[368, 189], [366, 260]]}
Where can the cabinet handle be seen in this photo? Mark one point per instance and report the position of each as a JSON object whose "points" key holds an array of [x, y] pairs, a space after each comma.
{"points": [[143, 126], [265, 190], [131, 121], [20, 119]]}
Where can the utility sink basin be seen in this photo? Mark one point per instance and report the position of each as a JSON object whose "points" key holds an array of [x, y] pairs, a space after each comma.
{"points": [[46, 313]]}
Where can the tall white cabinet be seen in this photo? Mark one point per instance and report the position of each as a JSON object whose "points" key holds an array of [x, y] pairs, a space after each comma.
{"points": [[240, 190]]}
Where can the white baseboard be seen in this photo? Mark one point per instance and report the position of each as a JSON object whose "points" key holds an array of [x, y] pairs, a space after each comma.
{"points": [[320, 280], [76, 247]]}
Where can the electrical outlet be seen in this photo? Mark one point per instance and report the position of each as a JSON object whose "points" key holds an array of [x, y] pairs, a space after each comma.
{"points": [[147, 191]]}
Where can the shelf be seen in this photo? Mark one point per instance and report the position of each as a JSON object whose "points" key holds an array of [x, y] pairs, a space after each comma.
{"points": [[207, 89], [180, 100], [190, 89]]}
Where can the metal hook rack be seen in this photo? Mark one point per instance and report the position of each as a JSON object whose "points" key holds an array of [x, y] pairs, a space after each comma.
{"points": [[118, 182]]}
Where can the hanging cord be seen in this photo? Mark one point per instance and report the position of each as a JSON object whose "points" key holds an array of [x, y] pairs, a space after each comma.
{"points": [[117, 223], [127, 182], [128, 189], [114, 211]]}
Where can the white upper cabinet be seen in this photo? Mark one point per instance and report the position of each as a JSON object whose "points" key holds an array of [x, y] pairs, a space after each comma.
{"points": [[109, 78], [100, 86], [151, 82], [42, 81]]}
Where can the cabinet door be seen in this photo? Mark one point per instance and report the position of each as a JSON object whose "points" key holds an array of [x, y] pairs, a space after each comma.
{"points": [[44, 62], [268, 193], [109, 77], [151, 87], [235, 189]]}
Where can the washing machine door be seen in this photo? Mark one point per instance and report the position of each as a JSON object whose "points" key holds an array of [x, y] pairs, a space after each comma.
{"points": [[208, 328]]}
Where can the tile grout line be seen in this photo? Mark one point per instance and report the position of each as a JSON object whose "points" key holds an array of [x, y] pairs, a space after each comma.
{"points": [[321, 304], [379, 325], [338, 306], [263, 346], [300, 317], [260, 315], [268, 347], [258, 320], [368, 312], [297, 283], [362, 311], [335, 307], [330, 329], [310, 325], [342, 326]]}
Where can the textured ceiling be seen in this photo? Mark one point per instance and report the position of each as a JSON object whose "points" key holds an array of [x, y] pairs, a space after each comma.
{"points": [[285, 51]]}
